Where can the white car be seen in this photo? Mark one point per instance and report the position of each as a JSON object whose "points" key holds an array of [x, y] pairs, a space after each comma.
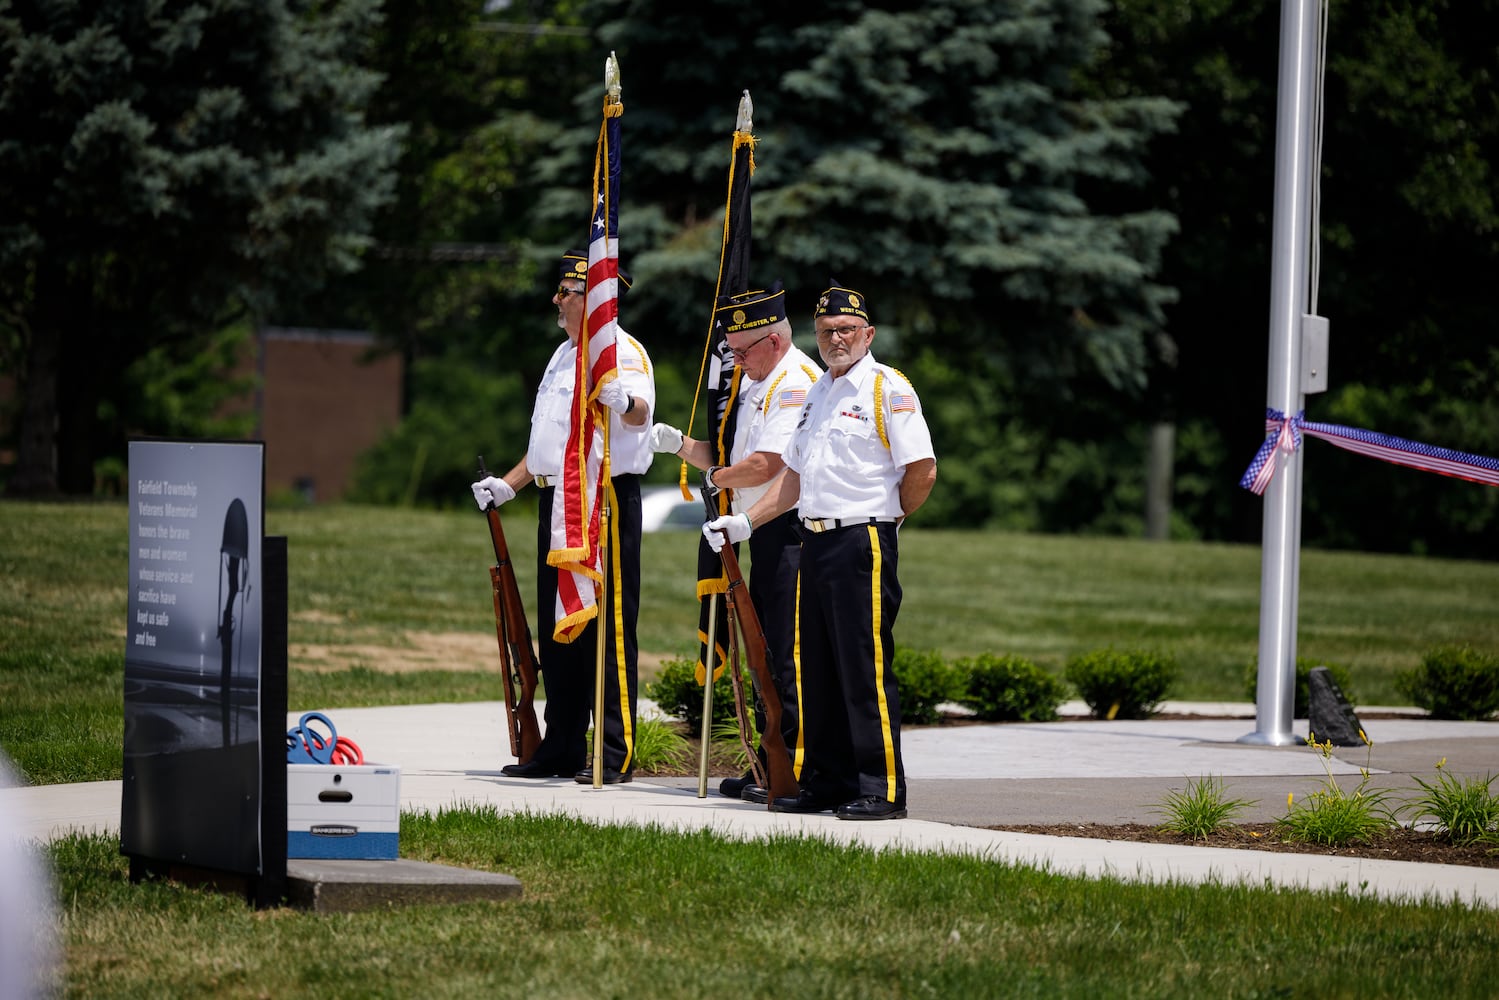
{"points": [[663, 509]]}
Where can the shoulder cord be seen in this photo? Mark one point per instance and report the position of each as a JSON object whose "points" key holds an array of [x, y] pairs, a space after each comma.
{"points": [[879, 401]]}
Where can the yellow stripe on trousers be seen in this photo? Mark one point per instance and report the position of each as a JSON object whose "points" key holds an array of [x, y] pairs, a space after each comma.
{"points": [[798, 758], [875, 611], [617, 610]]}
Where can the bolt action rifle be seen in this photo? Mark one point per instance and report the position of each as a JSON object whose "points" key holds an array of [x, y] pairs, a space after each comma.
{"points": [[517, 653], [742, 614]]}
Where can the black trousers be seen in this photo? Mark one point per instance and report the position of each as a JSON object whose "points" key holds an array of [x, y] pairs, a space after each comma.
{"points": [[775, 554], [848, 598], [568, 670]]}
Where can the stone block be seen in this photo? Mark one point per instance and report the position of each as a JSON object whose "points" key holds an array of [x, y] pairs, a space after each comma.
{"points": [[1331, 717], [344, 886]]}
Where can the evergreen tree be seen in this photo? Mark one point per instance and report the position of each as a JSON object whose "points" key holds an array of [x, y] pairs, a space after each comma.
{"points": [[165, 167], [942, 157], [939, 153]]}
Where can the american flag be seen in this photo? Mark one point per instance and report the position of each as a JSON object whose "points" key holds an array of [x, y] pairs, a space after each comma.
{"points": [[902, 402], [575, 521], [1283, 436]]}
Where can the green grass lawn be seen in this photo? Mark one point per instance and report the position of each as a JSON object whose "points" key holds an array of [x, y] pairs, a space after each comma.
{"points": [[364, 575], [626, 911]]}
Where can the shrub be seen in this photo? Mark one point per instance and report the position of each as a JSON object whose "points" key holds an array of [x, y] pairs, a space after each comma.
{"points": [[1304, 666], [926, 681], [678, 693], [1122, 684], [1453, 682], [1009, 689]]}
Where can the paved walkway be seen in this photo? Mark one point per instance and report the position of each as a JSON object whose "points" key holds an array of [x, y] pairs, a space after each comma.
{"points": [[961, 779]]}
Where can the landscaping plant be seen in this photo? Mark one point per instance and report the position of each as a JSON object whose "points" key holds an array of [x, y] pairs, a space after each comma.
{"points": [[1332, 816], [1009, 689], [926, 681], [1454, 682], [1463, 810], [677, 691], [1304, 666], [1200, 809], [1122, 684]]}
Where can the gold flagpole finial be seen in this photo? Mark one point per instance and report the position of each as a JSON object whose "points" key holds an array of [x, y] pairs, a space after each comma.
{"points": [[611, 78]]}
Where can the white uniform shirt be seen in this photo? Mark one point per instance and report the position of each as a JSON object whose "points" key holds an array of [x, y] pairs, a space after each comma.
{"points": [[629, 447], [767, 412], [845, 467]]}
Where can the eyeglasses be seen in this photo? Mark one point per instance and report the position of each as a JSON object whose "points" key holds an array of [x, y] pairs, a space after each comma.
{"points": [[741, 353], [563, 292], [841, 332]]}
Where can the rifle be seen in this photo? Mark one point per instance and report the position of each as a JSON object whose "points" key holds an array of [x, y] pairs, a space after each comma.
{"points": [[742, 611], [517, 654]]}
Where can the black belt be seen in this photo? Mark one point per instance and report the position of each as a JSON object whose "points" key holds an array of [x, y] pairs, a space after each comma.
{"points": [[829, 523]]}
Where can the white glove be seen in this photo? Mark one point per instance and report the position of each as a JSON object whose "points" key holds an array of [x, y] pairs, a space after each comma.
{"points": [[736, 526], [493, 490], [666, 439], [613, 395]]}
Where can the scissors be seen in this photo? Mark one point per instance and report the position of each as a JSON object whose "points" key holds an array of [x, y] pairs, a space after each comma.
{"points": [[306, 746]]}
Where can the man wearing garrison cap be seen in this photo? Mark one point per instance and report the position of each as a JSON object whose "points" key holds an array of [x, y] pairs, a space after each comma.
{"points": [[858, 463], [771, 379], [568, 669]]}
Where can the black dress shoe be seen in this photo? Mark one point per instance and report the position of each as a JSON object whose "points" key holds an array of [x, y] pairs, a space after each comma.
{"points": [[611, 776], [871, 807], [534, 769], [756, 794], [733, 788], [802, 802]]}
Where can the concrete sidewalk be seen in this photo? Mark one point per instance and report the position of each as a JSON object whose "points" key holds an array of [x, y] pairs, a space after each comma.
{"points": [[961, 778]]}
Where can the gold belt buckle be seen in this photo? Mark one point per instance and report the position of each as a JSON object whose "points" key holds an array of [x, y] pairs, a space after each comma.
{"points": [[542, 482]]}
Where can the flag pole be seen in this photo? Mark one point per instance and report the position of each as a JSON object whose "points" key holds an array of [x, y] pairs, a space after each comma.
{"points": [[612, 90], [1290, 282], [717, 375], [606, 567], [707, 733]]}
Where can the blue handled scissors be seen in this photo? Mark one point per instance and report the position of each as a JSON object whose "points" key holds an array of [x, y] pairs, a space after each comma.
{"points": [[307, 746]]}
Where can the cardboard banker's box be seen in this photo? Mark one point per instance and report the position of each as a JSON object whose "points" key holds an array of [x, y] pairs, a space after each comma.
{"points": [[343, 811]]}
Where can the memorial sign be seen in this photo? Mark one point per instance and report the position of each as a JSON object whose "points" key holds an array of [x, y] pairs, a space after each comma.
{"points": [[193, 733]]}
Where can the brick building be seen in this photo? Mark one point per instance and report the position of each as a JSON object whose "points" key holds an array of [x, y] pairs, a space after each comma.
{"points": [[323, 398]]}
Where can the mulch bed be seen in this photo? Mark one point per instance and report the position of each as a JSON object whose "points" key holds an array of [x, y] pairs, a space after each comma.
{"points": [[1400, 844]]}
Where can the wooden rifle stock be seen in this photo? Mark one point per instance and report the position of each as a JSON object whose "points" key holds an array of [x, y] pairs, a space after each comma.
{"points": [[517, 653], [756, 651]]}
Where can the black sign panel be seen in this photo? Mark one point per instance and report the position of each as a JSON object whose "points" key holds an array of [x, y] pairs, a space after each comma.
{"points": [[192, 788]]}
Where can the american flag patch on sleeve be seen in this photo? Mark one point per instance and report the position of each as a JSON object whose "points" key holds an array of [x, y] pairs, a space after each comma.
{"points": [[902, 402], [792, 397]]}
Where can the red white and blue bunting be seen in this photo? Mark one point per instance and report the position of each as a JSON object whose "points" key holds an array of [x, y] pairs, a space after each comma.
{"points": [[1283, 437]]}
